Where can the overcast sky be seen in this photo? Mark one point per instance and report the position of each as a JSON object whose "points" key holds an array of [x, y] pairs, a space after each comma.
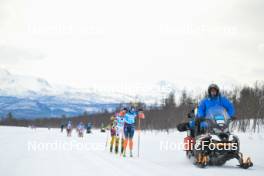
{"points": [[108, 43]]}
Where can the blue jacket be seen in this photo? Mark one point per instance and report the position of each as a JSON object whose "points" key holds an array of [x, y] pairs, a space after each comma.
{"points": [[130, 117], [209, 102]]}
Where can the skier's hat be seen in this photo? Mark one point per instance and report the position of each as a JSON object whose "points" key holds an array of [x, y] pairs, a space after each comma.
{"points": [[124, 109]]}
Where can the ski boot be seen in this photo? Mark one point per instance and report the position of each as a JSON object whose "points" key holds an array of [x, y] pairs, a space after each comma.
{"points": [[111, 144], [122, 145], [131, 153], [116, 146]]}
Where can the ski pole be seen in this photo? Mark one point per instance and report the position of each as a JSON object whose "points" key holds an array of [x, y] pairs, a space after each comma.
{"points": [[107, 136], [139, 131]]}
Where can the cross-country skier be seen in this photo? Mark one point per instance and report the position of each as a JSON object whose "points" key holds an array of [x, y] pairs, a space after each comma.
{"points": [[129, 128], [80, 129], [112, 131], [214, 99], [62, 127], [69, 128], [89, 128], [120, 121]]}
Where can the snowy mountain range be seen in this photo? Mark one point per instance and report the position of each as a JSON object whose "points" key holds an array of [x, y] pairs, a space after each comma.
{"points": [[30, 97]]}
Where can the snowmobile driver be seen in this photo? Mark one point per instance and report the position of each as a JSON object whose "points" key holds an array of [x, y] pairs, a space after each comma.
{"points": [[214, 99]]}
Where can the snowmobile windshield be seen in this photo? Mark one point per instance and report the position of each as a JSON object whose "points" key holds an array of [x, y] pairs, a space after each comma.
{"points": [[217, 119], [217, 113]]}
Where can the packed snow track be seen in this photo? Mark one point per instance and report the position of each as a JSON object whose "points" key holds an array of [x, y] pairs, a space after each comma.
{"points": [[43, 152]]}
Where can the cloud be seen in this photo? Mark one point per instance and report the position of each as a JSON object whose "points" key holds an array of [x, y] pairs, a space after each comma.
{"points": [[261, 48], [13, 55], [258, 71], [249, 14], [190, 45]]}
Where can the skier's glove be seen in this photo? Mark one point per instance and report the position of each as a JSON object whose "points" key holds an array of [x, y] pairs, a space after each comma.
{"points": [[141, 115]]}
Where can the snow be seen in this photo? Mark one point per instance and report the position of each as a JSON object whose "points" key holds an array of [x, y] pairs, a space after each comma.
{"points": [[19, 157], [33, 87]]}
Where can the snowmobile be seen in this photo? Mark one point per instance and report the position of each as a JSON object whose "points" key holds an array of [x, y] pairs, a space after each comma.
{"points": [[215, 145]]}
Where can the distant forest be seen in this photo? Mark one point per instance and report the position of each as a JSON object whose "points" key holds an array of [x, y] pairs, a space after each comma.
{"points": [[248, 102]]}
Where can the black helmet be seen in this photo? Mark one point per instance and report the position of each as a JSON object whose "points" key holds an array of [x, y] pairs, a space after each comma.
{"points": [[213, 86], [125, 109], [132, 109]]}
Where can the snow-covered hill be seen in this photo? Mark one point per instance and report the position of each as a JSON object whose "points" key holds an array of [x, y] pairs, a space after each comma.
{"points": [[16, 85], [31, 97], [44, 152]]}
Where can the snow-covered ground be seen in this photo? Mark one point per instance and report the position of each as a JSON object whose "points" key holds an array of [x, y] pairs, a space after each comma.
{"points": [[43, 152]]}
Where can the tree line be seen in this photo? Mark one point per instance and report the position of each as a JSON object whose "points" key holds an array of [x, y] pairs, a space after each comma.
{"points": [[248, 102]]}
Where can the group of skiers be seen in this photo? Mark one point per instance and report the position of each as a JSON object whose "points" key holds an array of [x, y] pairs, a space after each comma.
{"points": [[122, 129], [80, 128]]}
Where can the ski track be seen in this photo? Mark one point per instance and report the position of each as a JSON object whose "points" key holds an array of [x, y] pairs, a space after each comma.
{"points": [[17, 160]]}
